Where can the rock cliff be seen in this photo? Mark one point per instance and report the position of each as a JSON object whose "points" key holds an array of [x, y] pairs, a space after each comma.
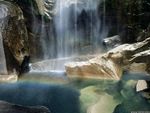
{"points": [[14, 35]]}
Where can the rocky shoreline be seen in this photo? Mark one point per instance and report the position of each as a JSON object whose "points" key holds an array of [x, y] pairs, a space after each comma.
{"points": [[127, 57]]}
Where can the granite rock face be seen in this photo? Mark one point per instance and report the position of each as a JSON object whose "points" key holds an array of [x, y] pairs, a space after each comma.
{"points": [[14, 35], [132, 57], [40, 25], [99, 67], [6, 107]]}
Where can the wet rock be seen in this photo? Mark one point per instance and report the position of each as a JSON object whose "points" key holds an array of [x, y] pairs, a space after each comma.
{"points": [[56, 64], [25, 65], [143, 88], [112, 42], [46, 8], [146, 94], [99, 67], [112, 63], [6, 107], [14, 34], [12, 78], [131, 100], [144, 34], [40, 25], [141, 85], [142, 57], [129, 107]]}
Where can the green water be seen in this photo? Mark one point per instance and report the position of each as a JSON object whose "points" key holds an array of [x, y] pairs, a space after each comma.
{"points": [[102, 96], [108, 96]]}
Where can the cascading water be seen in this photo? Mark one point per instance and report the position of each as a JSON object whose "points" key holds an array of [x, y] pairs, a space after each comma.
{"points": [[77, 24], [77, 30], [3, 68]]}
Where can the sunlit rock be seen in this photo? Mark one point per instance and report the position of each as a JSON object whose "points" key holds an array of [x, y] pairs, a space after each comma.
{"points": [[143, 88], [142, 57], [8, 78], [137, 67], [6, 107], [99, 67], [141, 85], [111, 64]]}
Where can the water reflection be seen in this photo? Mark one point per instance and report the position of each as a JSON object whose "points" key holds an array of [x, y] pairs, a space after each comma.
{"points": [[74, 95]]}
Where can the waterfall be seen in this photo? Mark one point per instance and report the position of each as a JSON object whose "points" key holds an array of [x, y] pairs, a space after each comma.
{"points": [[77, 26], [3, 68], [76, 29]]}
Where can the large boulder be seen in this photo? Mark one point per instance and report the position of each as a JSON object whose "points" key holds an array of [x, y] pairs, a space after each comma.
{"points": [[99, 67], [111, 64], [14, 35], [3, 69]]}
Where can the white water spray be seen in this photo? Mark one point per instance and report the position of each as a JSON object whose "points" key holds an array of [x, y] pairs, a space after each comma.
{"points": [[3, 68], [78, 31], [77, 26]]}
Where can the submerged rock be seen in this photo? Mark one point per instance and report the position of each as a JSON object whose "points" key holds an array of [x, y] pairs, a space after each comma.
{"points": [[58, 98], [6, 107], [131, 100], [111, 64]]}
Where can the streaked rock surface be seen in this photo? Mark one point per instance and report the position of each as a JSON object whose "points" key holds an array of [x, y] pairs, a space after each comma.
{"points": [[14, 35], [99, 67], [111, 64]]}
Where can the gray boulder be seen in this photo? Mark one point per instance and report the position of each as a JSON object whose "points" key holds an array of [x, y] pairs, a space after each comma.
{"points": [[6, 107], [112, 42]]}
